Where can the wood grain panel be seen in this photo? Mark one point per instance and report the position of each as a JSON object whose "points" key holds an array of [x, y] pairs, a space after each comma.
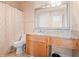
{"points": [[56, 41], [65, 43], [36, 46], [39, 38]]}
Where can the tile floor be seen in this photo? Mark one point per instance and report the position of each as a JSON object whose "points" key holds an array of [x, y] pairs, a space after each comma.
{"points": [[13, 54]]}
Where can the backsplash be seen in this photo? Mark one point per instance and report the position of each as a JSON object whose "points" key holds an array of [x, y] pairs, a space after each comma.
{"points": [[65, 33]]}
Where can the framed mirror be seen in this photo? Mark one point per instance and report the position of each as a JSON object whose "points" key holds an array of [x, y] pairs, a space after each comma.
{"points": [[56, 17]]}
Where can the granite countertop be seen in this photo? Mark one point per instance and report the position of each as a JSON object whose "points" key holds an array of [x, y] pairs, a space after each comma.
{"points": [[73, 35], [51, 35]]}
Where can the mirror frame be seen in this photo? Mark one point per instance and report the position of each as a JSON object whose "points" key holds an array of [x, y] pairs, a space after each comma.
{"points": [[36, 27]]}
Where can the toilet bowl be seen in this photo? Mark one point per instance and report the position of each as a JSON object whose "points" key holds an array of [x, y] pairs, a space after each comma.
{"points": [[19, 44]]}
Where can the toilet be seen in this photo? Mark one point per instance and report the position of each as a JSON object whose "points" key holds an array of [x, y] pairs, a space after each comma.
{"points": [[18, 44]]}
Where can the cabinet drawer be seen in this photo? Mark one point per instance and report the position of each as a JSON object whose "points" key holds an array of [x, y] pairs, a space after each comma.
{"points": [[69, 44], [56, 42], [38, 38]]}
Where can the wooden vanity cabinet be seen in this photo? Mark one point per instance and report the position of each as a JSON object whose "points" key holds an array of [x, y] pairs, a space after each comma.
{"points": [[37, 45]]}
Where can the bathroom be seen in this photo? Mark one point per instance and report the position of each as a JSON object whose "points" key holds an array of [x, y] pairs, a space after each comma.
{"points": [[26, 26]]}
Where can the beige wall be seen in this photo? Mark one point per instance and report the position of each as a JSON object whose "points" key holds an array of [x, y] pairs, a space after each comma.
{"points": [[29, 18], [75, 15]]}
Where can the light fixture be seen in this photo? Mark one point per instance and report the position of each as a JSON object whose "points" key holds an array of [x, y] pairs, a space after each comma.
{"points": [[52, 3], [55, 3]]}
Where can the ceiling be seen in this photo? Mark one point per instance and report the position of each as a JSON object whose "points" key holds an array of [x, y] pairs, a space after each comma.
{"points": [[22, 5], [18, 4]]}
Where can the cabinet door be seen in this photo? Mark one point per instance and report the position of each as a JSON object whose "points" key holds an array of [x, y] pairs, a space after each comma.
{"points": [[36, 48], [39, 49], [29, 47]]}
